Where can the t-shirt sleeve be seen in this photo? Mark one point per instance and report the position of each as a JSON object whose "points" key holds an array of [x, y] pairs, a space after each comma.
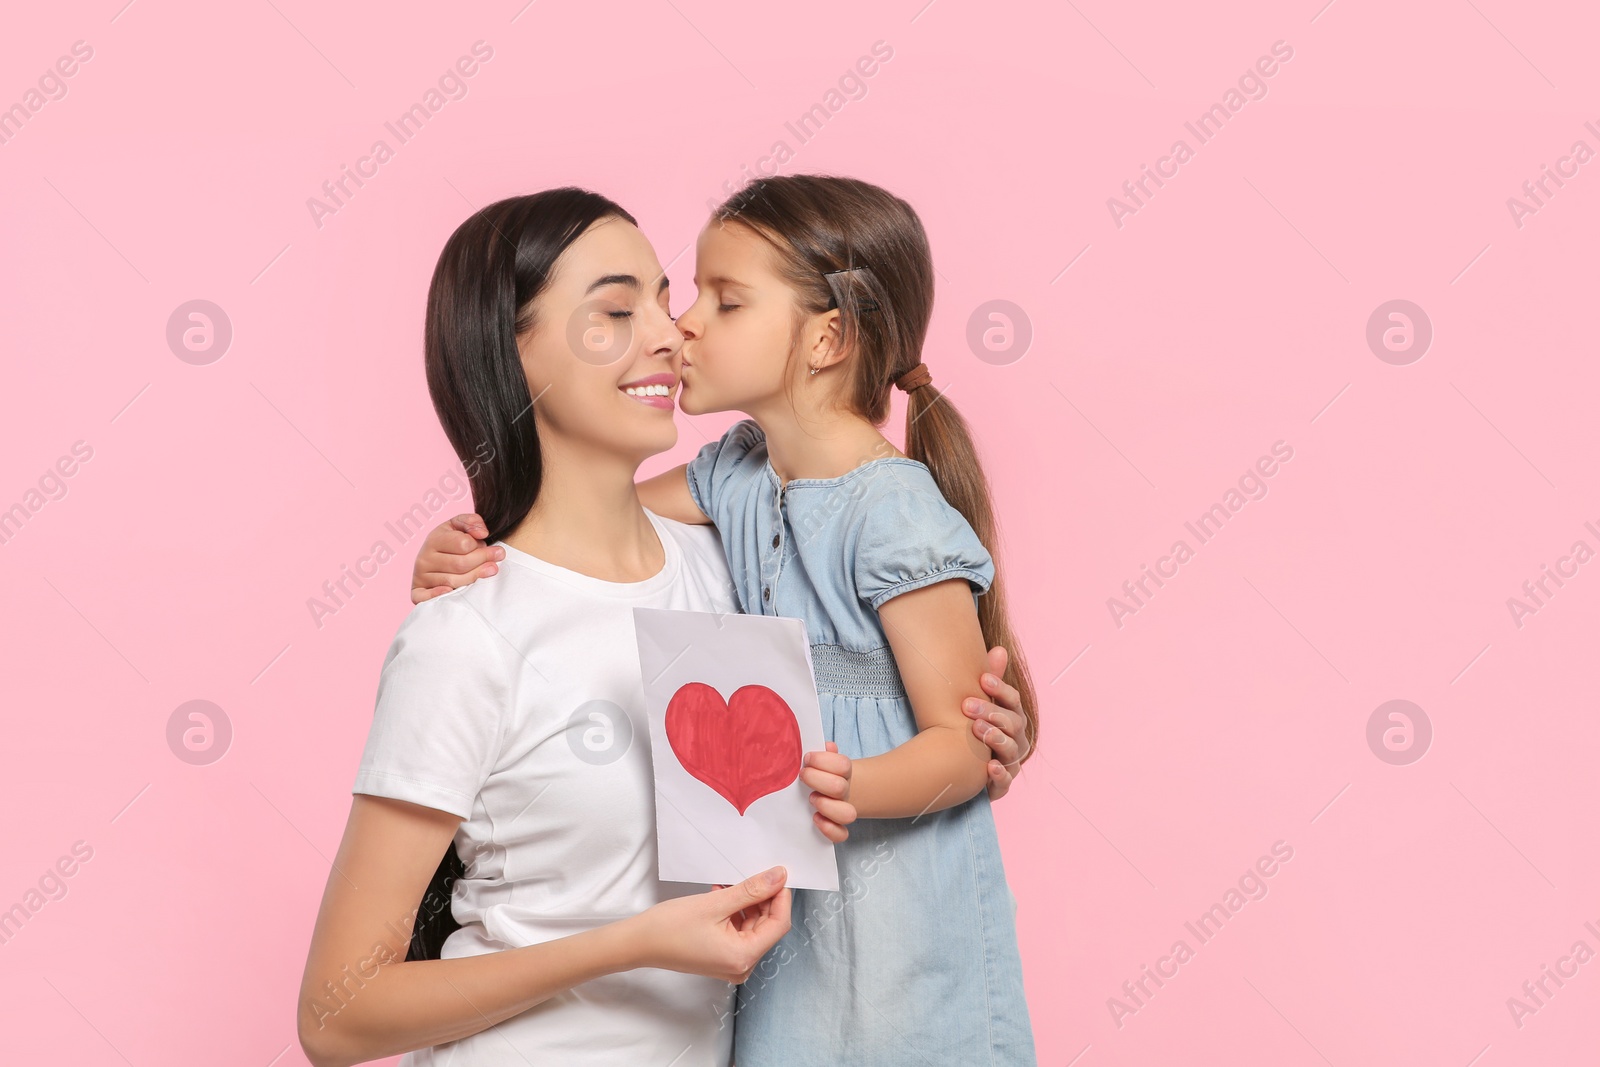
{"points": [[441, 708], [712, 467], [911, 537]]}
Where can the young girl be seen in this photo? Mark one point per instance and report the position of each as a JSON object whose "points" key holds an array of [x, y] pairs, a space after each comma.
{"points": [[814, 298]]}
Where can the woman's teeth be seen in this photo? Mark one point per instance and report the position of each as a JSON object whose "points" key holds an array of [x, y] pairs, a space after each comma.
{"points": [[648, 390]]}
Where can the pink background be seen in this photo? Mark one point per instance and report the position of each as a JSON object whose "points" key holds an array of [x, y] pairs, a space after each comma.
{"points": [[1228, 313]]}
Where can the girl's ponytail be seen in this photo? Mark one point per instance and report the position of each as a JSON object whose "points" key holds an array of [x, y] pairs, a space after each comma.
{"points": [[937, 436]]}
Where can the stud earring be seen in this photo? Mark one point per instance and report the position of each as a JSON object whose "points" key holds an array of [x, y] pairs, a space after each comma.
{"points": [[815, 369]]}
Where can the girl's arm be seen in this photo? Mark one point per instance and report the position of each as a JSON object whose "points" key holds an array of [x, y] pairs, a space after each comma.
{"points": [[939, 650], [668, 495], [361, 1000], [454, 554]]}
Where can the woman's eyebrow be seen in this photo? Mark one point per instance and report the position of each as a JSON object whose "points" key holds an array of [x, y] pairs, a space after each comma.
{"points": [[721, 280], [621, 279]]}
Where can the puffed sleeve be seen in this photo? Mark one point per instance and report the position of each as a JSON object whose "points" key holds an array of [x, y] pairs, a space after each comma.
{"points": [[911, 537], [442, 705], [720, 462]]}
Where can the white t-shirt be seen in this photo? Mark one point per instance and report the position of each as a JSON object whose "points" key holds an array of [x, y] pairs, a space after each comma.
{"points": [[516, 703]]}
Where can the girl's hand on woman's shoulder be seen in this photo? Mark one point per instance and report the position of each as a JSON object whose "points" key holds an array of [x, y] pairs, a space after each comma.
{"points": [[453, 555], [1000, 723]]}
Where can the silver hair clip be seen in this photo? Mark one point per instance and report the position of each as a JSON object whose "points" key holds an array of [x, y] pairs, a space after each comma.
{"points": [[833, 300]]}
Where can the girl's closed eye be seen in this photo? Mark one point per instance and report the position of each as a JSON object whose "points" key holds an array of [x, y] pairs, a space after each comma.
{"points": [[726, 307], [620, 314]]}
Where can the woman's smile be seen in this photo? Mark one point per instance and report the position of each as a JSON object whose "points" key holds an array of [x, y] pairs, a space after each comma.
{"points": [[656, 390]]}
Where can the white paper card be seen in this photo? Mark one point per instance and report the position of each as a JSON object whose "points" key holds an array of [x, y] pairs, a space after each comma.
{"points": [[733, 709]]}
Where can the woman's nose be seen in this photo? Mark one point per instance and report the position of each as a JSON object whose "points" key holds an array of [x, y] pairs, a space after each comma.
{"points": [[669, 339]]}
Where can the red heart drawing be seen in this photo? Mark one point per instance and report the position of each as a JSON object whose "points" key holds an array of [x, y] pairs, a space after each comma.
{"points": [[744, 748]]}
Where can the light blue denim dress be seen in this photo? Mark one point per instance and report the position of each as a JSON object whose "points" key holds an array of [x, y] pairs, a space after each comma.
{"points": [[914, 961]]}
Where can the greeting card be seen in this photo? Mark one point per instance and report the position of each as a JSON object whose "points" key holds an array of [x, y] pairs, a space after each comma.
{"points": [[733, 709]]}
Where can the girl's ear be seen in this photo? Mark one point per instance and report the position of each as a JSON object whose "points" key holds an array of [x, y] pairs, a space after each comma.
{"points": [[826, 346]]}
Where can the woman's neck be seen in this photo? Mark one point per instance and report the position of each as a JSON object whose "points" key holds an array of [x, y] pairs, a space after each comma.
{"points": [[588, 519]]}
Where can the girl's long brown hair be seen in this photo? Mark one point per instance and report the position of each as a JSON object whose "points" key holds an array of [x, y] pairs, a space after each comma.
{"points": [[820, 224]]}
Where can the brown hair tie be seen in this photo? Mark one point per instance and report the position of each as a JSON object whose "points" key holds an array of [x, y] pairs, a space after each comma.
{"points": [[915, 378]]}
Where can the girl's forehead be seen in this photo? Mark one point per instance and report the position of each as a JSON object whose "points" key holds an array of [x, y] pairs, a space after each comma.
{"points": [[735, 246]]}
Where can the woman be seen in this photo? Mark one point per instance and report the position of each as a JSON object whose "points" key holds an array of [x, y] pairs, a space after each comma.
{"points": [[492, 696]]}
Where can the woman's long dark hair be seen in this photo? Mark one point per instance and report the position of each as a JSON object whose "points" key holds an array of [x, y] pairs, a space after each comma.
{"points": [[479, 302]]}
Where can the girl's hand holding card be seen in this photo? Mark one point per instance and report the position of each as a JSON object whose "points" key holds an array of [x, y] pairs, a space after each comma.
{"points": [[828, 775]]}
